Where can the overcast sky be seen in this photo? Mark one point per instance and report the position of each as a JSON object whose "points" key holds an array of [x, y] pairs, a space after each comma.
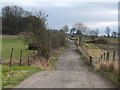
{"points": [[93, 13]]}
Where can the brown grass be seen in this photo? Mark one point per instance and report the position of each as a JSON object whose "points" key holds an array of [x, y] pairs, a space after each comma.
{"points": [[117, 68], [56, 51], [43, 63], [102, 65], [87, 61], [108, 66]]}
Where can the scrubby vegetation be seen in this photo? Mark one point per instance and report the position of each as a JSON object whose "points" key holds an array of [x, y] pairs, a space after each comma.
{"points": [[32, 26]]}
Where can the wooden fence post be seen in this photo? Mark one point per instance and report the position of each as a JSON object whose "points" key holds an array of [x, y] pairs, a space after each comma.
{"points": [[28, 62], [91, 60], [113, 55], [11, 56], [34, 55], [21, 58], [104, 56], [101, 57], [107, 56]]}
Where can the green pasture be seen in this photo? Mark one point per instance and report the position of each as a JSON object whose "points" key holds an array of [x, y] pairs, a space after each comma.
{"points": [[17, 44]]}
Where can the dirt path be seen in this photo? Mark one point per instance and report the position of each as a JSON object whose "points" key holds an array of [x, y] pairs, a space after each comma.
{"points": [[71, 72]]}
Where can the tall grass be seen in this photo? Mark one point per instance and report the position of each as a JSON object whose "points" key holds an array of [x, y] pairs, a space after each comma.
{"points": [[110, 69], [106, 66]]}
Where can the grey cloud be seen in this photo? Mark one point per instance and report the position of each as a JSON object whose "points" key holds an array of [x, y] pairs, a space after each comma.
{"points": [[75, 12]]}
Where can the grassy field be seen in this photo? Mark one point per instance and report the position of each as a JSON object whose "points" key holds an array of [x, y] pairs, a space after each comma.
{"points": [[17, 44], [11, 76]]}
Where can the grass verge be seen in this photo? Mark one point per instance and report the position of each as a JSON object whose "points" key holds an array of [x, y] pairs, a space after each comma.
{"points": [[54, 59], [11, 76], [111, 76]]}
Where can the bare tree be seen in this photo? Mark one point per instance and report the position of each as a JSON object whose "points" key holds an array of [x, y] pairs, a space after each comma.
{"points": [[97, 32], [41, 15], [65, 28], [107, 31], [81, 30]]}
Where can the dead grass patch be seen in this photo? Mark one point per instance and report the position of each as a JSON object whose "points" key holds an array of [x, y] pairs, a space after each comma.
{"points": [[108, 66], [43, 63]]}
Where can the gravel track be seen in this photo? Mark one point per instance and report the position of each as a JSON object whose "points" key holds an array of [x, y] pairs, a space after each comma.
{"points": [[71, 72]]}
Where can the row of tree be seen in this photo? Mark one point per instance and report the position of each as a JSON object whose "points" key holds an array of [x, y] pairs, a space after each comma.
{"points": [[33, 28], [108, 31], [80, 28]]}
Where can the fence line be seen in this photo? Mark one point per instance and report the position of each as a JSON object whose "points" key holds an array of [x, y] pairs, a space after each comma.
{"points": [[103, 57], [20, 61]]}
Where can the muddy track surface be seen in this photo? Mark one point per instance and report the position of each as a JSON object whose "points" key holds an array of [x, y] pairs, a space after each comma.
{"points": [[71, 72]]}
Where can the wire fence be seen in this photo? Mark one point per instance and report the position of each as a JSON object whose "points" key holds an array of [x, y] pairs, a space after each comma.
{"points": [[31, 57]]}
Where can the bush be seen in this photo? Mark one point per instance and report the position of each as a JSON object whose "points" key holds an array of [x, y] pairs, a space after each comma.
{"points": [[51, 40]]}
